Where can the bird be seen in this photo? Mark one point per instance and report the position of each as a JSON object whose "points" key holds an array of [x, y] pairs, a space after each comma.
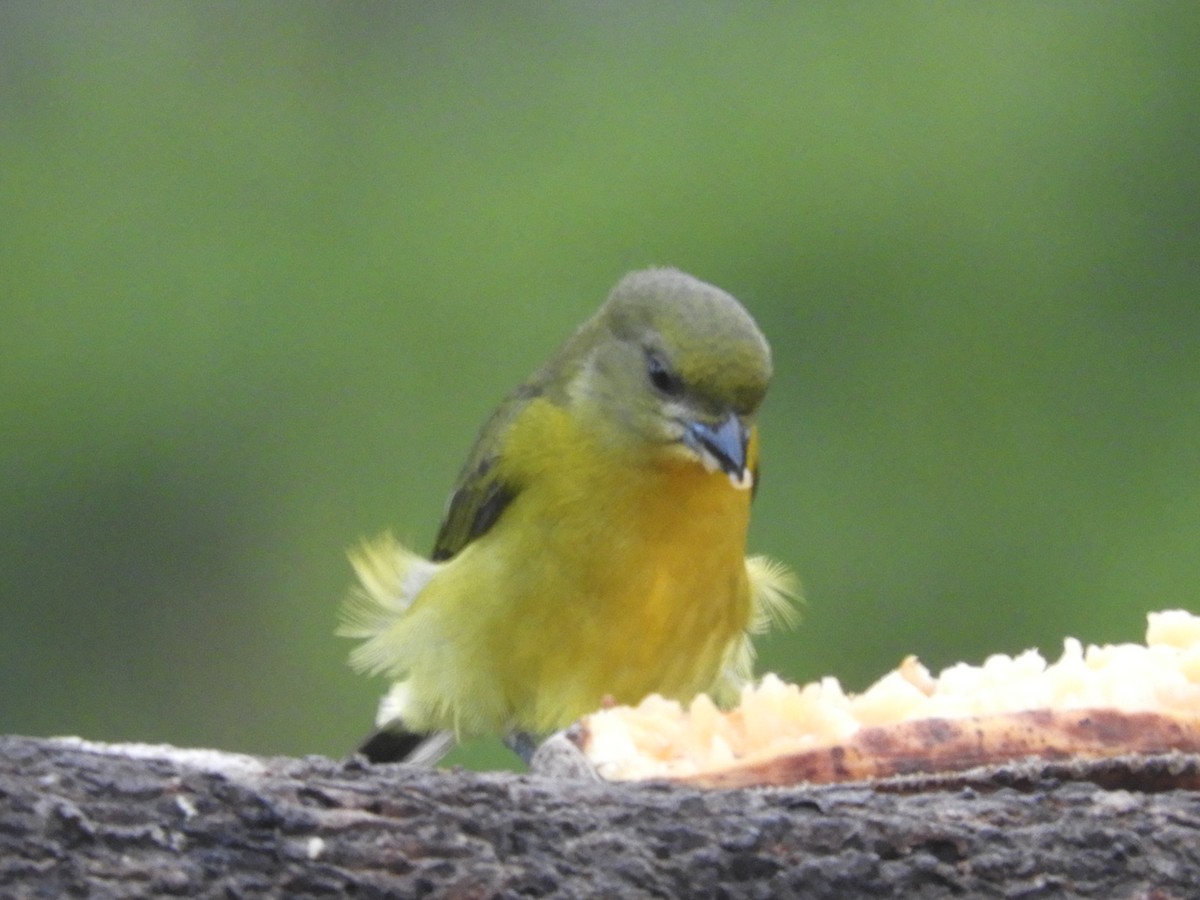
{"points": [[593, 549]]}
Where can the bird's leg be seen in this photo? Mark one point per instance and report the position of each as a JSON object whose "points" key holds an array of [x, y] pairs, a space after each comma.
{"points": [[521, 743]]}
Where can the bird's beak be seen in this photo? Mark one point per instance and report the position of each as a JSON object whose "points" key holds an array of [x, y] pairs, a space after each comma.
{"points": [[722, 446]]}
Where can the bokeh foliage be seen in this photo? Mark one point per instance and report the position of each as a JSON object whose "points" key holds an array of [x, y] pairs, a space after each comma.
{"points": [[265, 267]]}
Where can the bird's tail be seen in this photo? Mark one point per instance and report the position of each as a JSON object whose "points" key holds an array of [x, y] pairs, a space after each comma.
{"points": [[390, 576], [392, 742]]}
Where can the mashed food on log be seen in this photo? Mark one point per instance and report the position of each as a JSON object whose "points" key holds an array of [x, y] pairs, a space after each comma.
{"points": [[1093, 702]]}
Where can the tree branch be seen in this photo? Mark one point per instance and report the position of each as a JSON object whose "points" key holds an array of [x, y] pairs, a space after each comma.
{"points": [[116, 821]]}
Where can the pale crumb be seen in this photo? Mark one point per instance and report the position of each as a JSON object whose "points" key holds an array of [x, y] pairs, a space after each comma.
{"points": [[1173, 628]]}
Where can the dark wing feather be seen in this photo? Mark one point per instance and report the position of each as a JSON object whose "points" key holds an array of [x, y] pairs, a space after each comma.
{"points": [[480, 496], [474, 508]]}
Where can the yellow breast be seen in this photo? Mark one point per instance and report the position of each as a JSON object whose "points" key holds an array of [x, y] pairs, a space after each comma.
{"points": [[611, 574]]}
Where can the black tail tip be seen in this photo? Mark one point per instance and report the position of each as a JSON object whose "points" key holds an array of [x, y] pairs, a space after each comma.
{"points": [[386, 745]]}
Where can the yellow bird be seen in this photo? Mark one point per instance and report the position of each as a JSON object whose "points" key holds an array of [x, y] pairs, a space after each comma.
{"points": [[594, 544]]}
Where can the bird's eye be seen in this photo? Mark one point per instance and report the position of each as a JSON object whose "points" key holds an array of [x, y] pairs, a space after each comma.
{"points": [[662, 377]]}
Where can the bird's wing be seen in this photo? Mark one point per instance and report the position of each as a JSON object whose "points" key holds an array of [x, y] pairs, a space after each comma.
{"points": [[480, 495]]}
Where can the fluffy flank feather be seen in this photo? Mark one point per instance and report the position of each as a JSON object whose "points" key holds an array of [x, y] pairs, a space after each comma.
{"points": [[735, 672], [390, 576], [774, 593]]}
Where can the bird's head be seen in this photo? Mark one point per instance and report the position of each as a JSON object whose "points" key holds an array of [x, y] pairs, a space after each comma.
{"points": [[677, 366]]}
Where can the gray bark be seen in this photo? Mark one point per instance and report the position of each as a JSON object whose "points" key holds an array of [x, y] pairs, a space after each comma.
{"points": [[85, 820]]}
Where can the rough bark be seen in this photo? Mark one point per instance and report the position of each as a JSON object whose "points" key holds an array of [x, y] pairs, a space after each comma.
{"points": [[86, 820]]}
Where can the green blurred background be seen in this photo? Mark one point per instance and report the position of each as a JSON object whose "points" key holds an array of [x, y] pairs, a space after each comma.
{"points": [[264, 268]]}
